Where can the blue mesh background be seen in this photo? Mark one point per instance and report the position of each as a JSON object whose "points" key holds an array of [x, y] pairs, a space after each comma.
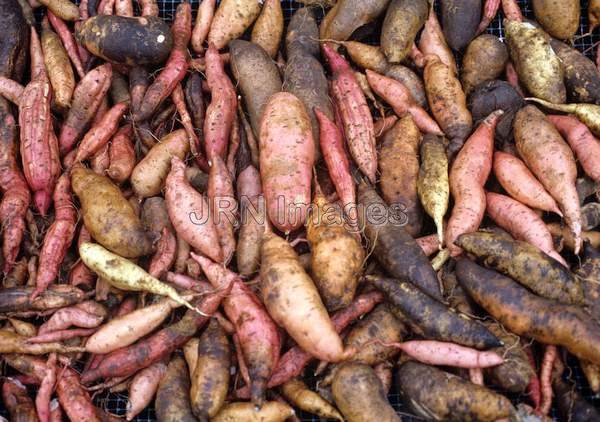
{"points": [[117, 403]]}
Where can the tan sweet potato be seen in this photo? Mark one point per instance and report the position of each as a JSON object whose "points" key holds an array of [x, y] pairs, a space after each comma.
{"points": [[348, 15], [484, 60], [403, 20], [268, 28], [231, 19], [559, 18]]}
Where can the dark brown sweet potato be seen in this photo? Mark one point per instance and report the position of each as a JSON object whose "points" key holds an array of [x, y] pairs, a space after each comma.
{"points": [[589, 273], [172, 398], [460, 19], [529, 315], [14, 41], [569, 403], [403, 20], [302, 33], [582, 79], [435, 320], [149, 39], [438, 395], [348, 15]]}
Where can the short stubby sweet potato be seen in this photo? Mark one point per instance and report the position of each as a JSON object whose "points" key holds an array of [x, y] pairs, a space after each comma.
{"points": [[581, 75], [359, 395], [108, 216], [287, 154], [460, 19], [149, 39], [484, 60], [172, 398], [529, 315], [257, 77], [559, 18], [403, 20], [438, 395], [348, 15]]}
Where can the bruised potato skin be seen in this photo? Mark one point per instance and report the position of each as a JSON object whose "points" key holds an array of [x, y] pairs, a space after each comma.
{"points": [[108, 216], [438, 395], [148, 39], [559, 18], [460, 19], [582, 79], [484, 60], [537, 64], [403, 20]]}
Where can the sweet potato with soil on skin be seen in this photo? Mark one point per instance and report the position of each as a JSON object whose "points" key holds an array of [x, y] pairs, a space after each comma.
{"points": [[366, 56], [58, 67], [11, 90], [535, 135], [336, 254], [399, 97], [68, 41], [436, 320], [443, 396], [18, 403], [526, 264], [149, 39], [231, 19], [399, 170], [223, 205], [268, 28], [15, 343], [99, 135], [308, 323], [522, 223], [164, 258], [302, 36], [484, 60], [460, 19], [560, 19], [138, 84], [220, 113], [204, 18], [128, 360], [348, 15], [149, 175], [529, 315], [210, 379], [581, 75], [119, 89], [394, 248], [403, 20], [468, 175], [17, 299], [286, 142], [188, 211], [15, 192], [433, 41], [307, 400], [172, 397], [122, 155], [87, 97], [359, 394], [108, 216], [448, 102], [570, 404], [537, 64], [15, 39], [354, 113], [272, 411], [583, 143], [143, 387], [64, 9], [521, 184]]}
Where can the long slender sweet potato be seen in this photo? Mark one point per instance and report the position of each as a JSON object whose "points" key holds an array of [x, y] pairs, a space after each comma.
{"points": [[17, 299], [535, 135], [58, 67], [87, 97], [355, 115], [231, 19], [268, 28], [99, 135], [189, 213], [15, 343], [206, 11], [440, 353], [223, 205], [522, 223], [468, 174], [433, 41], [127, 360]]}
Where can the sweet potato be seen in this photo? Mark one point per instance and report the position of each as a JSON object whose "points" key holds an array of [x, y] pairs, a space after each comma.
{"points": [[393, 247], [366, 56], [15, 39], [223, 206], [581, 75], [268, 28], [355, 115], [529, 315], [348, 15], [399, 97], [165, 254], [17, 299], [433, 318], [534, 135], [432, 183], [518, 181], [210, 380], [399, 169], [121, 155], [11, 90], [283, 279], [87, 97], [440, 353], [537, 64], [204, 18], [307, 400], [143, 387], [468, 175], [443, 396], [99, 135], [460, 19], [149, 175], [433, 41], [559, 18], [484, 60], [58, 67], [286, 140], [593, 14], [231, 19], [520, 261], [172, 398], [64, 9], [522, 223], [403, 20], [188, 211], [359, 394], [273, 411], [149, 39], [17, 402], [15, 343], [569, 403], [108, 216], [589, 114]]}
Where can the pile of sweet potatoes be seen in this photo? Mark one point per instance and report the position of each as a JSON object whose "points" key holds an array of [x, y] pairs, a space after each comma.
{"points": [[196, 210]]}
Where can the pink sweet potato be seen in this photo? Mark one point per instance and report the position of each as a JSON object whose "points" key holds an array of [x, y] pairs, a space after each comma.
{"points": [[99, 135], [223, 206], [17, 401], [122, 155], [165, 254], [433, 41], [143, 387]]}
